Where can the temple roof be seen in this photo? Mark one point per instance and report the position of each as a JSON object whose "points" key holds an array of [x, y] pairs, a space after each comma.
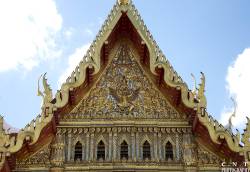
{"points": [[91, 65]]}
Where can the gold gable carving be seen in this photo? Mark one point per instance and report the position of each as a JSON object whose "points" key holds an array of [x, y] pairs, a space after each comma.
{"points": [[124, 91], [206, 157], [31, 131], [40, 159]]}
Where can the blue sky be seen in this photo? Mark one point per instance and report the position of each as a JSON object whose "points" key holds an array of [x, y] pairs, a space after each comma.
{"points": [[52, 36]]}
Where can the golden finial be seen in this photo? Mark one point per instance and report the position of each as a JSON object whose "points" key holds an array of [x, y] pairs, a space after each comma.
{"points": [[123, 2]]}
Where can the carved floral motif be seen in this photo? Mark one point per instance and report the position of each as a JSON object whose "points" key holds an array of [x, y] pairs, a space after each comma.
{"points": [[124, 91], [206, 157], [40, 158]]}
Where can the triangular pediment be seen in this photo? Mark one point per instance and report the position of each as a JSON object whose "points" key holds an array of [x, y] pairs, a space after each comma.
{"points": [[124, 76], [124, 90]]}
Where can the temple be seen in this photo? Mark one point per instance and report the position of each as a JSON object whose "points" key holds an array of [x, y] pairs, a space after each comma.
{"points": [[124, 108]]}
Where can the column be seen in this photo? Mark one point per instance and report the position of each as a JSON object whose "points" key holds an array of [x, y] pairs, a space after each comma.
{"points": [[137, 146], [91, 147], [160, 146], [62, 144], [69, 147], [110, 147], [133, 147], [189, 154], [155, 158], [57, 155], [114, 146], [177, 148], [87, 147]]}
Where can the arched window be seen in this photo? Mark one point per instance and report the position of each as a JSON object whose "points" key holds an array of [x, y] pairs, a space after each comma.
{"points": [[78, 151], [101, 151], [169, 151], [124, 150], [146, 150]]}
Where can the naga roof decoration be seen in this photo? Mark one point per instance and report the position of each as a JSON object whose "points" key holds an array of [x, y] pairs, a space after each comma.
{"points": [[47, 93], [12, 143]]}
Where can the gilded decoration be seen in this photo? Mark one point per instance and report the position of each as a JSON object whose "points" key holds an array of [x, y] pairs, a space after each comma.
{"points": [[124, 91], [47, 93], [40, 159], [206, 157]]}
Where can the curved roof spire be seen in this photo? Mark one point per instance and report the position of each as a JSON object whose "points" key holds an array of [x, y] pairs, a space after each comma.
{"points": [[123, 2]]}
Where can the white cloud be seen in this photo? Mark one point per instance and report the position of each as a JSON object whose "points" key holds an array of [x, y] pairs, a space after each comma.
{"points": [[238, 85], [68, 33], [73, 60], [226, 113], [27, 33]]}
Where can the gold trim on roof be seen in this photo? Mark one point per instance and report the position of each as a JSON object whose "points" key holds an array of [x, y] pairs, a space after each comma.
{"points": [[91, 59], [123, 2]]}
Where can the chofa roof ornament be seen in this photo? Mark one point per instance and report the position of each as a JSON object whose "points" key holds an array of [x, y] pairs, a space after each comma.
{"points": [[123, 2], [195, 89], [47, 93], [201, 88], [199, 92]]}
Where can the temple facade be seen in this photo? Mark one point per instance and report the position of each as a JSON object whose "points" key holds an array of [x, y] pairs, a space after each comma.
{"points": [[124, 108]]}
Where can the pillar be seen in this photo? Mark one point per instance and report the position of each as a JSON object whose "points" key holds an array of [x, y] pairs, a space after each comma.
{"points": [[115, 147], [91, 147], [137, 144], [177, 148], [87, 147], [156, 158], [58, 155], [69, 146], [189, 154], [110, 147], [133, 147], [159, 146]]}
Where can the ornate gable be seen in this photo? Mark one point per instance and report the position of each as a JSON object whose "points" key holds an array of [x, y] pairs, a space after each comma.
{"points": [[124, 91], [206, 157], [107, 87], [39, 159]]}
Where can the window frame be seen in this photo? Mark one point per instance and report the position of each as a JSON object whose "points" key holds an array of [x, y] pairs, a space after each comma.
{"points": [[169, 151], [146, 150], [124, 150], [78, 151], [100, 153]]}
